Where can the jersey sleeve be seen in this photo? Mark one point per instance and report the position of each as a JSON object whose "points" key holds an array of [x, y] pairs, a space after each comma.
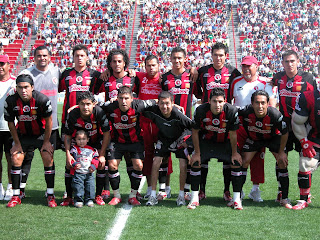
{"points": [[302, 106], [234, 119], [9, 115], [280, 123], [102, 118], [46, 108], [184, 120], [143, 105], [62, 82], [198, 116], [70, 123]]}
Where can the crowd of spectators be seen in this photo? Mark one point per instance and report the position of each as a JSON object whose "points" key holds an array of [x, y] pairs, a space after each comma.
{"points": [[101, 25], [194, 25], [289, 24]]}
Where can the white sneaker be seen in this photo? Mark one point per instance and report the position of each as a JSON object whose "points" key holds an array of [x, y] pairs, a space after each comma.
{"points": [[256, 196], [152, 201], [78, 204], [90, 203], [237, 205], [181, 201], [193, 205], [9, 194], [1, 193]]}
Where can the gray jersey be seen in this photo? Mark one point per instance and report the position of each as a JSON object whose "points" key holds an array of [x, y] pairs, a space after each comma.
{"points": [[47, 83]]}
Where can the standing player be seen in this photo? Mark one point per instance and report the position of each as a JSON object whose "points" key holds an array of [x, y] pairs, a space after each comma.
{"points": [[7, 87], [172, 125], [124, 115], [214, 136], [240, 91], [307, 111], [265, 127], [291, 83], [90, 118], [33, 111], [217, 74]]}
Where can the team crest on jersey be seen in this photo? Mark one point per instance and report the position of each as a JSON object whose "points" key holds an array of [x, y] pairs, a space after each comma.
{"points": [[215, 122], [79, 79], [113, 115], [178, 82], [256, 88], [26, 109], [118, 85], [207, 75], [124, 118], [206, 120], [88, 126], [55, 80], [289, 84], [259, 124], [217, 77]]}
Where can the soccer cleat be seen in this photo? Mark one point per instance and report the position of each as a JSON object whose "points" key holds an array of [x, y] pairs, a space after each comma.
{"points": [[237, 206], [99, 200], [78, 204], [161, 196], [138, 196], [115, 201], [256, 196], [9, 194], [68, 201], [181, 201], [230, 204], [286, 203], [279, 197], [300, 205], [1, 193], [51, 201], [226, 196], [134, 202], [152, 201], [105, 194], [168, 192], [90, 203], [146, 196], [187, 196], [15, 200], [193, 205], [202, 195], [309, 198], [22, 195]]}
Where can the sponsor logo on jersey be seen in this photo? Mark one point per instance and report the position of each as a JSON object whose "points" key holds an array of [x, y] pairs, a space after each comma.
{"points": [[178, 82], [78, 88], [124, 126], [289, 84], [26, 109], [113, 94], [176, 91], [287, 93], [206, 120], [150, 91], [27, 118], [124, 118], [93, 132], [88, 126], [227, 74], [217, 77], [212, 85], [258, 130], [55, 80], [207, 75], [88, 77], [259, 124], [77, 125], [215, 129], [79, 79], [215, 121]]}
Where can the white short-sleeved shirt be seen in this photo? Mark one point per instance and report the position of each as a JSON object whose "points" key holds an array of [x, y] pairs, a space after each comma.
{"points": [[6, 88]]}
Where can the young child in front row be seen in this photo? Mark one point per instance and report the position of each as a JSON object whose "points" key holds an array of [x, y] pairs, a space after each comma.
{"points": [[86, 162]]}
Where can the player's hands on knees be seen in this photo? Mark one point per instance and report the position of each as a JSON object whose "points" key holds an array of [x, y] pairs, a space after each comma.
{"points": [[16, 149], [102, 160], [308, 148], [195, 158], [282, 159], [47, 147], [236, 157]]}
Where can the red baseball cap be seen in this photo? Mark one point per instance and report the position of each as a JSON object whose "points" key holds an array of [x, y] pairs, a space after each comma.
{"points": [[4, 58], [249, 60]]}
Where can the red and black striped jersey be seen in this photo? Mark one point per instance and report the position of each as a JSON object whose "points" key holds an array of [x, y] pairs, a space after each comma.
{"points": [[289, 89], [216, 127], [126, 125], [30, 115], [149, 88], [210, 78], [309, 106], [96, 125], [181, 87], [265, 128], [74, 83]]}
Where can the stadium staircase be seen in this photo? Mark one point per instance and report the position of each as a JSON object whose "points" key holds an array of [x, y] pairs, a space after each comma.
{"points": [[234, 39], [131, 38]]}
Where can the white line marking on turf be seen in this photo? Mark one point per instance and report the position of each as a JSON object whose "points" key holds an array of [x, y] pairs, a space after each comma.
{"points": [[121, 218]]}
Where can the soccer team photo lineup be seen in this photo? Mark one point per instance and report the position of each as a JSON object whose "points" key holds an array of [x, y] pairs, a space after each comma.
{"points": [[154, 89]]}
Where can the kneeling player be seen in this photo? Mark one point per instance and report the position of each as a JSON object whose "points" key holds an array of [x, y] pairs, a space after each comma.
{"points": [[307, 110], [33, 111], [214, 136], [265, 127]]}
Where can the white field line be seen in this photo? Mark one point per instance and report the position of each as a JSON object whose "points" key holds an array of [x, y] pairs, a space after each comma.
{"points": [[121, 218]]}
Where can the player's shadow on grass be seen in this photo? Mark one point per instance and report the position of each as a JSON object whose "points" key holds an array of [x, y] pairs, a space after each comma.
{"points": [[37, 197]]}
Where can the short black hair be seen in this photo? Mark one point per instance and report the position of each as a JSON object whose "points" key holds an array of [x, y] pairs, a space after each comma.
{"points": [[289, 53], [25, 78], [118, 52], [259, 92], [80, 132], [125, 89], [178, 49], [86, 96], [220, 45], [217, 92], [80, 47], [150, 57], [166, 94], [41, 48]]}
